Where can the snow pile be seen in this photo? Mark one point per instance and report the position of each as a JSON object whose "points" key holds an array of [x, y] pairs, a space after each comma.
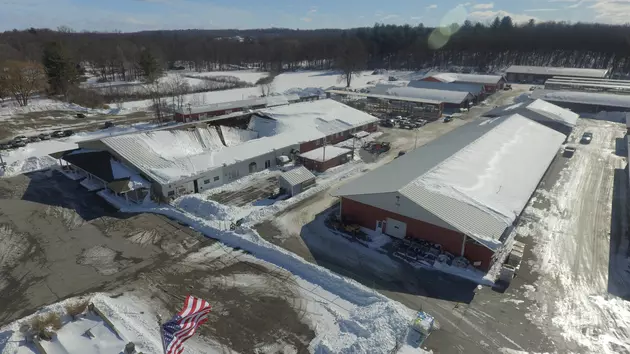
{"points": [[375, 328], [204, 208], [234, 136], [29, 164]]}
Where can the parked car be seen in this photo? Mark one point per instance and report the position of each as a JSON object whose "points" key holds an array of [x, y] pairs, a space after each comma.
{"points": [[44, 136], [19, 143], [80, 115], [34, 139], [586, 138], [68, 132], [448, 119], [400, 153], [57, 134], [5, 146], [108, 124], [20, 138], [569, 150]]}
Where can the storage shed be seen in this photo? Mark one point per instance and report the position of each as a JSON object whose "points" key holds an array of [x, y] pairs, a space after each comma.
{"points": [[296, 181], [325, 157]]}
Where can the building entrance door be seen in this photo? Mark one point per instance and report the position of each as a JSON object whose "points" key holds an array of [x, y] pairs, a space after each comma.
{"points": [[396, 228]]}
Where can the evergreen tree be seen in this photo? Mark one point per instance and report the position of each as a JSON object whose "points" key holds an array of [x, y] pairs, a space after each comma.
{"points": [[61, 70], [149, 66]]}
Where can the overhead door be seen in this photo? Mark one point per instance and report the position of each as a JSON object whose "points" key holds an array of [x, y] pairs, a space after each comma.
{"points": [[396, 228]]}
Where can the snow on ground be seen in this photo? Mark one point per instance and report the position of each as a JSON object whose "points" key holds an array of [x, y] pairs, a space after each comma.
{"points": [[282, 83], [372, 323], [575, 248]]}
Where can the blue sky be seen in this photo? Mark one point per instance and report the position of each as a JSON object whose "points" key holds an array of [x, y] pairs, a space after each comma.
{"points": [[132, 15]]}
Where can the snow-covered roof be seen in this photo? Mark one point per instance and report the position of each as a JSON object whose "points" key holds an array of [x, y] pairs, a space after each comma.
{"points": [[467, 78], [384, 97], [269, 101], [325, 153], [448, 86], [477, 179], [557, 71], [309, 121], [588, 98], [455, 97], [537, 110], [297, 176], [171, 155]]}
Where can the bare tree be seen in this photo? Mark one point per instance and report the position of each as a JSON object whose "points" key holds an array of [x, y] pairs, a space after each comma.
{"points": [[266, 84], [177, 87], [351, 59], [22, 79], [155, 90]]}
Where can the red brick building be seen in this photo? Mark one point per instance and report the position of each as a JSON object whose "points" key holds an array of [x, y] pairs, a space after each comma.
{"points": [[325, 157], [464, 190]]}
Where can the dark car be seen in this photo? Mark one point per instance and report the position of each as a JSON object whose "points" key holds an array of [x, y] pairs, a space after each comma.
{"points": [[19, 143], [44, 136], [448, 119], [4, 146], [80, 115], [34, 139], [586, 138], [57, 134], [68, 132], [108, 124]]}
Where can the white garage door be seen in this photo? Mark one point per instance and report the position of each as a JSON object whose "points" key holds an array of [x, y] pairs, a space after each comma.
{"points": [[396, 228]]}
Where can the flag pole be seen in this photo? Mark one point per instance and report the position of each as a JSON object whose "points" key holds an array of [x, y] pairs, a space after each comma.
{"points": [[159, 319]]}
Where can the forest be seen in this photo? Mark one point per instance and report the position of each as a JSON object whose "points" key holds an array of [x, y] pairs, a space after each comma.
{"points": [[63, 54]]}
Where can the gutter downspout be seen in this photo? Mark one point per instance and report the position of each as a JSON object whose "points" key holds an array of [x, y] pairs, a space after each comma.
{"points": [[463, 245]]}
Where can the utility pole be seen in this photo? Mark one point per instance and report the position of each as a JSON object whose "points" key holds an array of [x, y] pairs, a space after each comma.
{"points": [[415, 143]]}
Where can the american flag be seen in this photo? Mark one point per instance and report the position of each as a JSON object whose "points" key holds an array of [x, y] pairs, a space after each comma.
{"points": [[184, 324]]}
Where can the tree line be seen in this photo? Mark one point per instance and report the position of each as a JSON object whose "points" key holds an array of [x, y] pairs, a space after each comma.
{"points": [[56, 60]]}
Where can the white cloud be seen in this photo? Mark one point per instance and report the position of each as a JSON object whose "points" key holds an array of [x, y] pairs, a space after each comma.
{"points": [[416, 18], [577, 4], [306, 19], [487, 6], [312, 10], [389, 17], [488, 16], [612, 11], [540, 10], [431, 7]]}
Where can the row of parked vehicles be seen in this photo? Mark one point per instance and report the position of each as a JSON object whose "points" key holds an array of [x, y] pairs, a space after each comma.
{"points": [[22, 140], [402, 122]]}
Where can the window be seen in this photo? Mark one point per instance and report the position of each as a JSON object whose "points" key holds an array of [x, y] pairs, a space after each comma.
{"points": [[267, 163], [206, 181], [320, 141], [216, 178], [171, 193]]}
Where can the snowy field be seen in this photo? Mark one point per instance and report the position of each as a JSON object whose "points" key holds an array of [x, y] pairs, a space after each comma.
{"points": [[579, 229], [282, 83]]}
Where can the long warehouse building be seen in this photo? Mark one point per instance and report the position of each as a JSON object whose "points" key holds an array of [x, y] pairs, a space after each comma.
{"points": [[538, 74], [579, 101], [464, 190]]}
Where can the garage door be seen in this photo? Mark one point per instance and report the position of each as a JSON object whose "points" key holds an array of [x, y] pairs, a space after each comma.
{"points": [[396, 228]]}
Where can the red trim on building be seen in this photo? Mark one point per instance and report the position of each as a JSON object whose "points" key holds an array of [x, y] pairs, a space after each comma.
{"points": [[451, 241]]}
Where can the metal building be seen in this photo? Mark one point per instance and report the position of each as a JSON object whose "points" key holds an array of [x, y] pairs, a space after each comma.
{"points": [[464, 190]]}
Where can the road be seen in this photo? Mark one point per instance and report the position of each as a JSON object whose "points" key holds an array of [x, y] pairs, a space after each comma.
{"points": [[579, 232]]}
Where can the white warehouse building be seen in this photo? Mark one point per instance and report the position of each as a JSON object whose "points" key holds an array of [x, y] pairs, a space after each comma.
{"points": [[191, 160]]}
